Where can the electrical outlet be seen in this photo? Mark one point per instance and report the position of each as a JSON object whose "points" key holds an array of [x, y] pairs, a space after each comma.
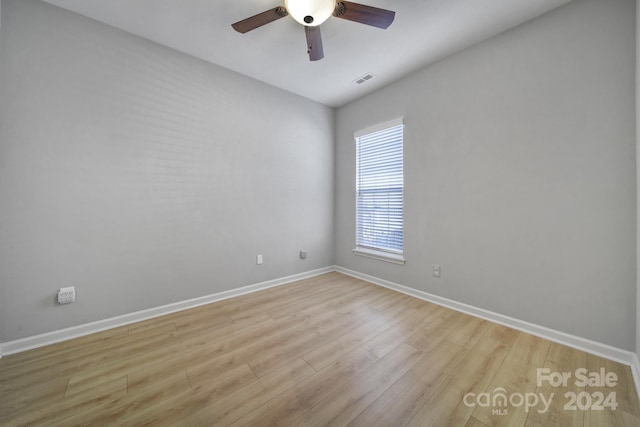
{"points": [[436, 270], [259, 259], [303, 254], [66, 295]]}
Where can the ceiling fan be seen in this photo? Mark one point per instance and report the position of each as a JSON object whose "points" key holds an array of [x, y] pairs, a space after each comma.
{"points": [[312, 13]]}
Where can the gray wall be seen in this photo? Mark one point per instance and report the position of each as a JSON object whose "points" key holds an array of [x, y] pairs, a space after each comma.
{"points": [[131, 171], [519, 173], [143, 176]]}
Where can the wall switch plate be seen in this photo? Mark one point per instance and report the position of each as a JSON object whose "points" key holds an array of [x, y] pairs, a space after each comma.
{"points": [[436, 270], [66, 295], [303, 254], [258, 259]]}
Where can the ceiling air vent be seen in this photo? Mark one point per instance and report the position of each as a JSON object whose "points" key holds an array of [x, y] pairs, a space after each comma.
{"points": [[363, 78]]}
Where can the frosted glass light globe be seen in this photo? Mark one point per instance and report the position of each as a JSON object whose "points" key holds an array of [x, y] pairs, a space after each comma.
{"points": [[310, 12]]}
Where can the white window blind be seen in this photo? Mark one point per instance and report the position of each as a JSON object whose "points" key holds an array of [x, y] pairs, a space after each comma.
{"points": [[380, 189]]}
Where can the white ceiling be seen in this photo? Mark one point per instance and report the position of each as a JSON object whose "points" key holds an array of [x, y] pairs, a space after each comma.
{"points": [[423, 32]]}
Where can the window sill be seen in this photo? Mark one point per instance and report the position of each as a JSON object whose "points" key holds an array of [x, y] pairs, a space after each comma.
{"points": [[380, 255]]}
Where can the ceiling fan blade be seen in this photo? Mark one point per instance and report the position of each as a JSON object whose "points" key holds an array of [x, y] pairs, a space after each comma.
{"points": [[260, 19], [363, 14], [314, 43]]}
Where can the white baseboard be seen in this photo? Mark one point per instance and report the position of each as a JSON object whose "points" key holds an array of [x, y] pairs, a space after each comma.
{"points": [[603, 350], [35, 341]]}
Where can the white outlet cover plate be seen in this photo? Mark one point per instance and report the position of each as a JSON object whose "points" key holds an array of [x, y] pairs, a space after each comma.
{"points": [[66, 295]]}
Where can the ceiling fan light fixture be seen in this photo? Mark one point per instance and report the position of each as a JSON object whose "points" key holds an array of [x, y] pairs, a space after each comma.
{"points": [[310, 12]]}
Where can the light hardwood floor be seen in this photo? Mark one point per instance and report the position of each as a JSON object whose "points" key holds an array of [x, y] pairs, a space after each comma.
{"points": [[331, 350]]}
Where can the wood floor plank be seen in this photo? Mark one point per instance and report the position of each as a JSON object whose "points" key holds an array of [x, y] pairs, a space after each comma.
{"points": [[446, 406], [456, 327], [175, 353], [415, 387], [529, 350], [15, 362], [176, 408], [389, 300], [142, 379], [516, 376], [334, 328], [397, 334], [513, 378], [262, 352], [271, 299], [19, 398], [187, 320], [326, 301], [359, 392], [468, 332], [243, 401], [90, 356], [50, 412], [625, 396], [353, 303], [501, 334], [328, 350], [140, 395], [309, 392], [474, 423], [560, 359], [432, 332], [326, 354]]}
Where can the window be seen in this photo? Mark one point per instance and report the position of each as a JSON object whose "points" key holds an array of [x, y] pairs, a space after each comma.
{"points": [[380, 192]]}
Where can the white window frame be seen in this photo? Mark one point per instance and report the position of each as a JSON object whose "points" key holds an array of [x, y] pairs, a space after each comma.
{"points": [[372, 251]]}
